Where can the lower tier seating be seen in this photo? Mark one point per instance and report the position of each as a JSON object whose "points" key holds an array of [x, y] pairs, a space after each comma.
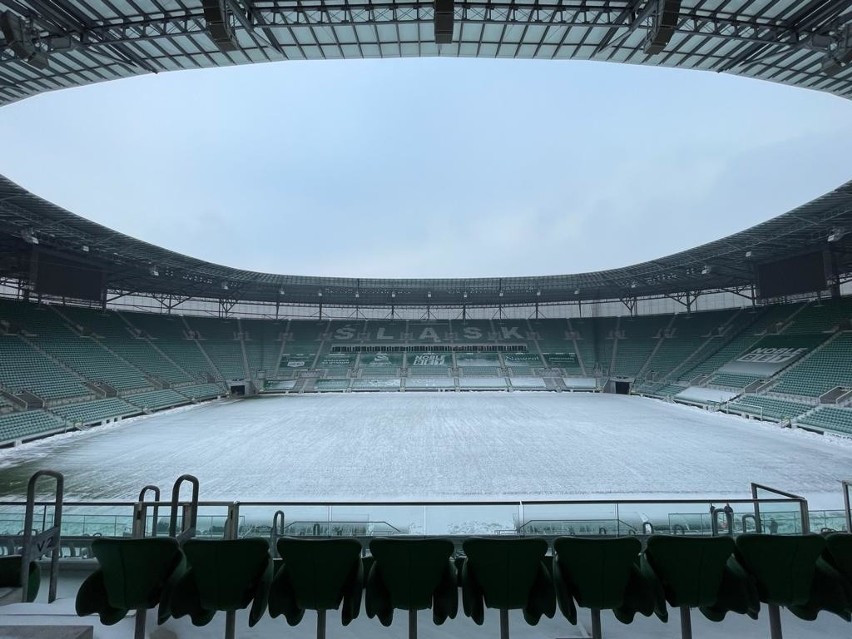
{"points": [[22, 425], [830, 418]]}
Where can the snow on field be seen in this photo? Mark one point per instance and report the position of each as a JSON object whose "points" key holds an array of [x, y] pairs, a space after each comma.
{"points": [[439, 446]]}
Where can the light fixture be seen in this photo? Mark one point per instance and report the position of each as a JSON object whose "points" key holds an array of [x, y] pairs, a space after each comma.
{"points": [[841, 57], [538, 293], [225, 286], [576, 291], [749, 255], [706, 270], [19, 38], [319, 293], [281, 291], [357, 295], [464, 295], [85, 248], [393, 294], [837, 235], [153, 271]]}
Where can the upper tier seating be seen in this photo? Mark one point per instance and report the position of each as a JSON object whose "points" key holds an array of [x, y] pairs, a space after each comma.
{"points": [[262, 340], [829, 367], [24, 368], [823, 316]]}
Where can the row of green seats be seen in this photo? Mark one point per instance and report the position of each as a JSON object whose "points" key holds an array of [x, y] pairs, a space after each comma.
{"points": [[718, 575]]}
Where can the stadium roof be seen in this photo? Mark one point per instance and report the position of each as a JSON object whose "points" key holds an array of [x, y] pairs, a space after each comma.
{"points": [[51, 44], [133, 266]]}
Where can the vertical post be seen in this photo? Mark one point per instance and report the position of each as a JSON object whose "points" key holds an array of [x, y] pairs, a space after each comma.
{"points": [[774, 622], [230, 624], [139, 623], [320, 624], [806, 518], [685, 623], [847, 511], [412, 624], [596, 623], [504, 623]]}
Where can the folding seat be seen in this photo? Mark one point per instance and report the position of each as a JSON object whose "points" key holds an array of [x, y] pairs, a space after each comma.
{"points": [[223, 575], [412, 575], [317, 574], [507, 574], [132, 574], [10, 577], [783, 568], [700, 572], [832, 585], [601, 574]]}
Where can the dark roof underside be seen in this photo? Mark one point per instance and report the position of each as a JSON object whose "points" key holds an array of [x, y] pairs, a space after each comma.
{"points": [[86, 41], [130, 264], [64, 43]]}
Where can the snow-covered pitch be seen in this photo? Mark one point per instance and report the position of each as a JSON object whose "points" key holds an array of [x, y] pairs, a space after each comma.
{"points": [[395, 446]]}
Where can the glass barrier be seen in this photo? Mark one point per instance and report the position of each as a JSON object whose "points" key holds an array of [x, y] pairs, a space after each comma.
{"points": [[770, 511]]}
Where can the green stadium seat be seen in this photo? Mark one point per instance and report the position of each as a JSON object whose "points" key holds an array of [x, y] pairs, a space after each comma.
{"points": [[317, 574], [600, 574], [832, 586], [783, 568], [507, 574], [10, 576], [699, 572], [412, 575], [132, 574], [223, 575]]}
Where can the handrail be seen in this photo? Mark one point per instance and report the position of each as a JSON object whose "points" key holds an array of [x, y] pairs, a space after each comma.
{"points": [[543, 502], [143, 510], [192, 510], [49, 540], [803, 505]]}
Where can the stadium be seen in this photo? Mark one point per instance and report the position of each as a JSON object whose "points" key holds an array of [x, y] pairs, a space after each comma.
{"points": [[671, 434]]}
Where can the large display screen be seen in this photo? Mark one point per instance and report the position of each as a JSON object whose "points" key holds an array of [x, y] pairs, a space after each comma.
{"points": [[800, 274], [65, 277]]}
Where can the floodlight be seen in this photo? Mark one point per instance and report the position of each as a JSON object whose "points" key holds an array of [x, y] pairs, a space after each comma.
{"points": [[707, 270], [218, 22], [839, 59], [664, 24], [749, 254], [19, 39], [837, 235], [443, 21]]}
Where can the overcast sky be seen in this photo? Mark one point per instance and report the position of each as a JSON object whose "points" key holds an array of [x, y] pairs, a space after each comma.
{"points": [[429, 167]]}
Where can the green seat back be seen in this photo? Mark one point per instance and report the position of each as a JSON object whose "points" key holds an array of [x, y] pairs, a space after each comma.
{"points": [[782, 565], [411, 569], [10, 575], [319, 569], [839, 547], [136, 570], [505, 569], [597, 571], [690, 568], [227, 572]]}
